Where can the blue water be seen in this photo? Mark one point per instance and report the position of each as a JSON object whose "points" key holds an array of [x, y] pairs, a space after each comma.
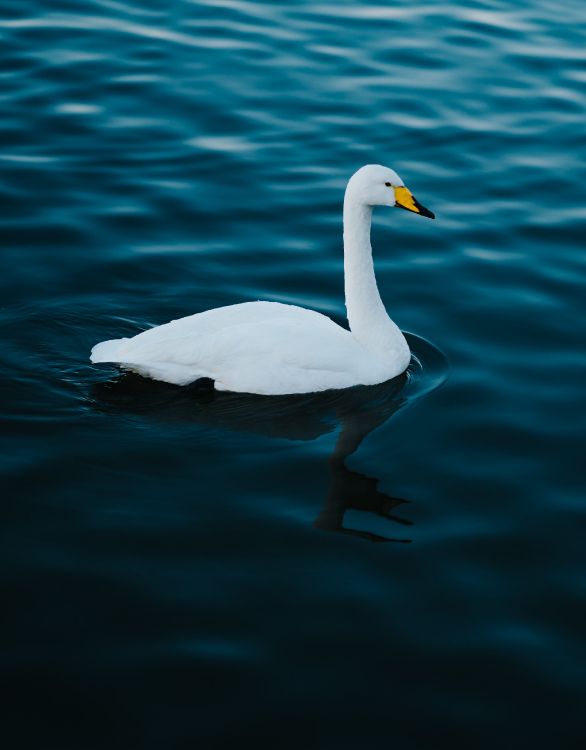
{"points": [[401, 566]]}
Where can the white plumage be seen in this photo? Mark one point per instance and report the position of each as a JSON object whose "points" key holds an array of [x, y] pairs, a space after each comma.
{"points": [[271, 348]]}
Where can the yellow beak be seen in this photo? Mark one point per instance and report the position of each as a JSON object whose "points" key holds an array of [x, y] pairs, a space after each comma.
{"points": [[404, 199]]}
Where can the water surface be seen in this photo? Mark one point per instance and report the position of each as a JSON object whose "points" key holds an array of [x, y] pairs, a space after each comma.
{"points": [[398, 566]]}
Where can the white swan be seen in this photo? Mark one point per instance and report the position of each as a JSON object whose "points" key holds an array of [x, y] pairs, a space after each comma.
{"points": [[272, 348]]}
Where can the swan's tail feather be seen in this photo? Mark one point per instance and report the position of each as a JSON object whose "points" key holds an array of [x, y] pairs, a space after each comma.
{"points": [[107, 351], [115, 352]]}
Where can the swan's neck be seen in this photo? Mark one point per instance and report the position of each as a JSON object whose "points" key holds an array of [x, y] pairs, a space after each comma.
{"points": [[368, 319]]}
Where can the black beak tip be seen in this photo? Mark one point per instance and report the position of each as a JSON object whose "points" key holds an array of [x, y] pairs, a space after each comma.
{"points": [[424, 211]]}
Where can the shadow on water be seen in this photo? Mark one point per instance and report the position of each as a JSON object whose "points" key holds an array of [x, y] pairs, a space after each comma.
{"points": [[355, 411]]}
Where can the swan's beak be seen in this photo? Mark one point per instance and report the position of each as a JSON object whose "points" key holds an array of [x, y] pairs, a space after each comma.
{"points": [[404, 199]]}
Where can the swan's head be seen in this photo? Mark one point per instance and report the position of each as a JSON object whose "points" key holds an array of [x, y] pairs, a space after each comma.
{"points": [[374, 185]]}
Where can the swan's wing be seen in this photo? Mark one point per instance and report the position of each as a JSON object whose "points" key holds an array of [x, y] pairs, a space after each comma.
{"points": [[166, 336], [259, 347]]}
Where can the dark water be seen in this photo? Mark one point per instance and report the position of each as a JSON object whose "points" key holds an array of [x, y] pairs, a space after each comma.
{"points": [[401, 566]]}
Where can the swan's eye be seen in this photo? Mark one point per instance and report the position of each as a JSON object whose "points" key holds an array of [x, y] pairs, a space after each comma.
{"points": [[388, 184]]}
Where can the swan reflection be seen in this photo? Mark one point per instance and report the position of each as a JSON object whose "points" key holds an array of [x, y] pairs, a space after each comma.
{"points": [[356, 412], [351, 490]]}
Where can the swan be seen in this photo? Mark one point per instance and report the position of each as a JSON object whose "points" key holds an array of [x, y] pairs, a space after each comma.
{"points": [[271, 348]]}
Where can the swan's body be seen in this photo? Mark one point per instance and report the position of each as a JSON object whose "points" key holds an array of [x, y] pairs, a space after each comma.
{"points": [[256, 347], [271, 348]]}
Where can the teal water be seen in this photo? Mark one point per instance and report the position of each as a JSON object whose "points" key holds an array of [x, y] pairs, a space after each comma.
{"points": [[396, 566]]}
